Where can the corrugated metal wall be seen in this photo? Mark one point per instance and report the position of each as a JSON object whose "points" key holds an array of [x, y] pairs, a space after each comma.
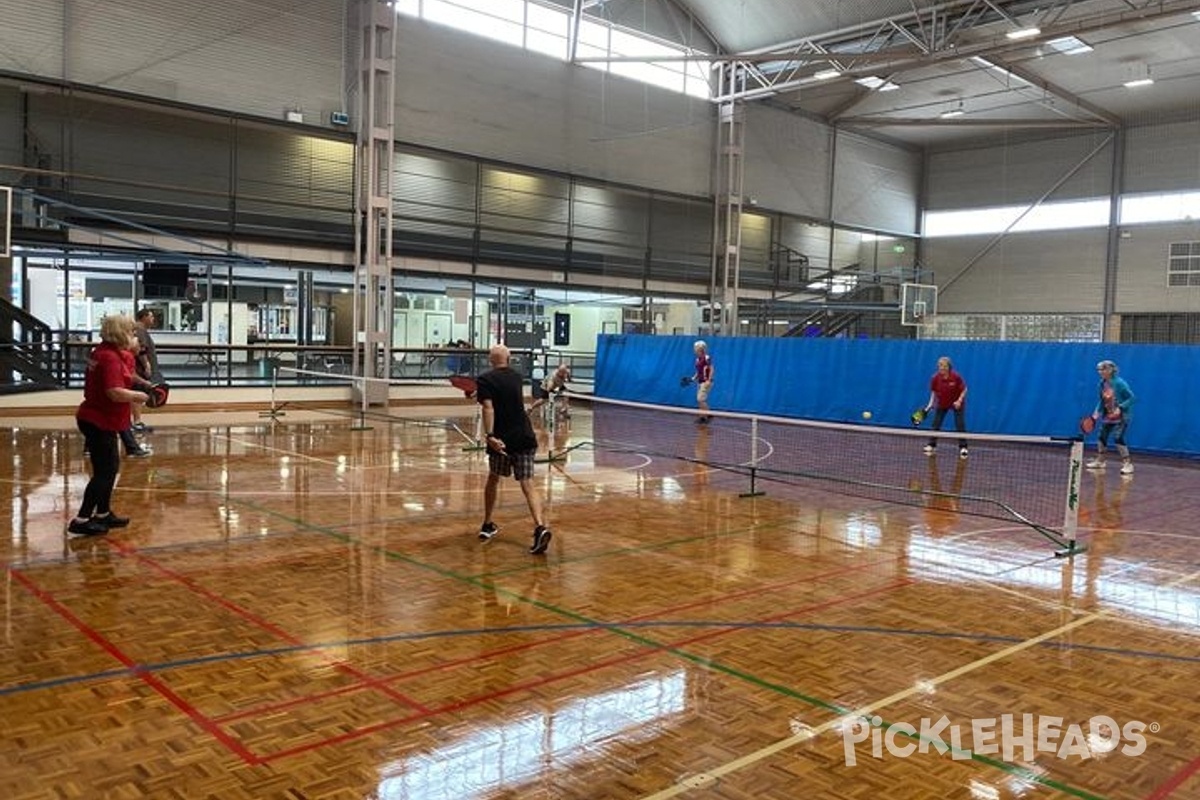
{"points": [[11, 146], [1064, 271], [876, 185], [256, 58], [1053, 271], [1003, 174], [1142, 279], [787, 162], [1161, 158], [459, 92]]}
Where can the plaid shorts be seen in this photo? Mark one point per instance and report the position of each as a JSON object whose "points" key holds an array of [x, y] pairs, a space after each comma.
{"points": [[519, 465]]}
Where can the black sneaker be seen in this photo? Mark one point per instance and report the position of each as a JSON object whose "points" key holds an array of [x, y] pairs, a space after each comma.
{"points": [[111, 521], [141, 452], [487, 531], [541, 540], [88, 527]]}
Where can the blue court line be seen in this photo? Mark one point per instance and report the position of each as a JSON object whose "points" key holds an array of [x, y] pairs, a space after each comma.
{"points": [[567, 626]]}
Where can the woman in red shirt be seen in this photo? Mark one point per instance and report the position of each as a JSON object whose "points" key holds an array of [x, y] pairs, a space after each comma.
{"points": [[104, 412], [947, 392]]}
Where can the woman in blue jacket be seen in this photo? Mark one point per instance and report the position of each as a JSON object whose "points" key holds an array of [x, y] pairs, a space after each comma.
{"points": [[1114, 411]]}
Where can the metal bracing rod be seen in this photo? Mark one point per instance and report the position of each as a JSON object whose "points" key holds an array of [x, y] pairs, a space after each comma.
{"points": [[998, 237], [573, 34]]}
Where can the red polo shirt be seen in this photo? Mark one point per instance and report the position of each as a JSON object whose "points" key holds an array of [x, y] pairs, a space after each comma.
{"points": [[947, 388], [107, 369]]}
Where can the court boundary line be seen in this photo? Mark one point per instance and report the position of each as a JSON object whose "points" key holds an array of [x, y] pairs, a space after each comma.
{"points": [[709, 777]]}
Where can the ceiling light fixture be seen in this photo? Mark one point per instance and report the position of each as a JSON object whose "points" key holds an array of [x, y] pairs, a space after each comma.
{"points": [[1069, 46], [1023, 33], [952, 113], [877, 83], [1141, 77], [826, 74]]}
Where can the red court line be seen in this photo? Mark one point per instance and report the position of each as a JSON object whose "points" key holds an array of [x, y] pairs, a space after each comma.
{"points": [[232, 744], [1176, 780], [341, 666], [540, 682], [755, 591]]}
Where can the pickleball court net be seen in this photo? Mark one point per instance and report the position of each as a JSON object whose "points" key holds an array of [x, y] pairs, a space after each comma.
{"points": [[1023, 479]]}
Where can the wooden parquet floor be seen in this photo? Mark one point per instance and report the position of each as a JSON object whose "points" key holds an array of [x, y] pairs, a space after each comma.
{"points": [[301, 610]]}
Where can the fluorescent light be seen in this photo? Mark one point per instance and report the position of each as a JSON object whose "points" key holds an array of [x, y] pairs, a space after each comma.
{"points": [[1139, 82], [1023, 33], [826, 74], [956, 112], [1069, 46], [876, 83]]}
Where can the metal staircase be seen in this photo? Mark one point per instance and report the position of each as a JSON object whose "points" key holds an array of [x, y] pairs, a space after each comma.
{"points": [[31, 354]]}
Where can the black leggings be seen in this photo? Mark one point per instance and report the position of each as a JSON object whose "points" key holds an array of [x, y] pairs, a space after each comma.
{"points": [[105, 455], [960, 423]]}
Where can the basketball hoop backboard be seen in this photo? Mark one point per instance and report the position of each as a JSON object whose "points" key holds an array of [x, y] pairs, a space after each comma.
{"points": [[918, 303]]}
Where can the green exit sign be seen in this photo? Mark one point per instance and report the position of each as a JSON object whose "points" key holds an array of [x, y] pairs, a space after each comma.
{"points": [[897, 248]]}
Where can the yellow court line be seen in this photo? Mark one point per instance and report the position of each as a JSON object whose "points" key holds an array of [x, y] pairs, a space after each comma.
{"points": [[1182, 580], [710, 777]]}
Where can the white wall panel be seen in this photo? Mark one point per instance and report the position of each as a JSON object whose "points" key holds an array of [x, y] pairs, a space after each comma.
{"points": [[876, 185], [459, 92], [1019, 173], [1061, 271], [1163, 158], [131, 144], [787, 162], [1142, 279]]}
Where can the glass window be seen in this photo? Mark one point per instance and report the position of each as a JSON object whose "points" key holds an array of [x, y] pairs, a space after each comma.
{"points": [[546, 29], [1045, 217]]}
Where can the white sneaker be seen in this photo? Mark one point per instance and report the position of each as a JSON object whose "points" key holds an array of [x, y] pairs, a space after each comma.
{"points": [[963, 452], [1096, 463], [1127, 468], [929, 449]]}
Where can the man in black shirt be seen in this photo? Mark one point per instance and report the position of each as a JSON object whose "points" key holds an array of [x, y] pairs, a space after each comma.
{"points": [[511, 443]]}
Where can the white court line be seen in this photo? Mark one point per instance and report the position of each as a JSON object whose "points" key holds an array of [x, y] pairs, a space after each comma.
{"points": [[706, 779], [263, 447]]}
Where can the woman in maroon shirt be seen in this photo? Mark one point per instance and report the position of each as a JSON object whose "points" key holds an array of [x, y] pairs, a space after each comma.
{"points": [[947, 392], [104, 412]]}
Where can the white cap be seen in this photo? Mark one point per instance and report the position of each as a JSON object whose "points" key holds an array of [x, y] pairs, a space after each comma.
{"points": [[699, 345]]}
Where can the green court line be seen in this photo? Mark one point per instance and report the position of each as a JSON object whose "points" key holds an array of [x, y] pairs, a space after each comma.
{"points": [[646, 641]]}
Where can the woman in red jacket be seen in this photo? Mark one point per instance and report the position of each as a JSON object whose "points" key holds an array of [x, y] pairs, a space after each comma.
{"points": [[104, 412]]}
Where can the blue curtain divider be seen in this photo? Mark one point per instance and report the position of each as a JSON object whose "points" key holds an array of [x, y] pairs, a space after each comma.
{"points": [[1034, 388]]}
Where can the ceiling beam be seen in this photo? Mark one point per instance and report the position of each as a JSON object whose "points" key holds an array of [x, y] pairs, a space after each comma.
{"points": [[1063, 94], [819, 51], [967, 122]]}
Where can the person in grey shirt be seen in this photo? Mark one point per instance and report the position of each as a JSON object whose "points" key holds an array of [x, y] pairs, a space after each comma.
{"points": [[146, 366], [147, 359]]}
